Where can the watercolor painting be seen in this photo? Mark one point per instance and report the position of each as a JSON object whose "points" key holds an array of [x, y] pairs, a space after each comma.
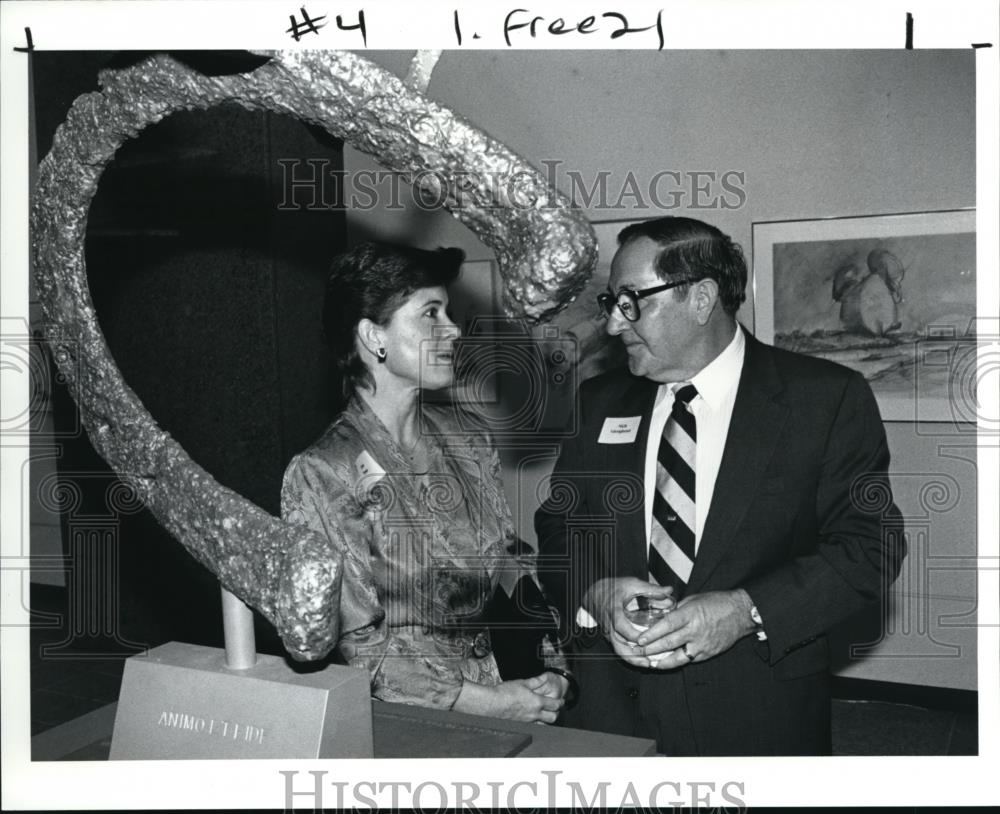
{"points": [[893, 297]]}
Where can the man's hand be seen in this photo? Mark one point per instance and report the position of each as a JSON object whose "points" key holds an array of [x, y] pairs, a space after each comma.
{"points": [[606, 601], [700, 627]]}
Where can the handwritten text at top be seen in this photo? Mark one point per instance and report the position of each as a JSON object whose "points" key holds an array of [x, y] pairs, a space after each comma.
{"points": [[520, 26]]}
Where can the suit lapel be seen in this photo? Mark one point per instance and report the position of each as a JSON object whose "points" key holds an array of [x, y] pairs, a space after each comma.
{"points": [[627, 461], [754, 430]]}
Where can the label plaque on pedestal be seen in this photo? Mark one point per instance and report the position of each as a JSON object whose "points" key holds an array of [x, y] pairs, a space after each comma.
{"points": [[181, 702]]}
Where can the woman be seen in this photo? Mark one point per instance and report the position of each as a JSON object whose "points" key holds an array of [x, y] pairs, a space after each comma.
{"points": [[413, 495]]}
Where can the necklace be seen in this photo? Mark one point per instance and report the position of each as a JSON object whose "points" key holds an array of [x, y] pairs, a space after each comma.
{"points": [[418, 455]]}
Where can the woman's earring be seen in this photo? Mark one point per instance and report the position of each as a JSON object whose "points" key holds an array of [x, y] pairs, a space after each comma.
{"points": [[381, 354]]}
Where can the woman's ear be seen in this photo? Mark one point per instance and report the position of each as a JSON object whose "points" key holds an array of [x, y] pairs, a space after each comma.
{"points": [[371, 336]]}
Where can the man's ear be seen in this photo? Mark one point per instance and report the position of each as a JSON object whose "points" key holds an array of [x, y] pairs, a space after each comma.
{"points": [[371, 335], [705, 298]]}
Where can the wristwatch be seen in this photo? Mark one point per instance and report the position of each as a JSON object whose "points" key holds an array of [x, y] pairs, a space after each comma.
{"points": [[758, 624]]}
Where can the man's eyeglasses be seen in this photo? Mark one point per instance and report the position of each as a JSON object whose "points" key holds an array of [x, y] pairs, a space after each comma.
{"points": [[627, 299]]}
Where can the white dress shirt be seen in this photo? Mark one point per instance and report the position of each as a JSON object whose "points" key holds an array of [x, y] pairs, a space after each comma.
{"points": [[716, 384]]}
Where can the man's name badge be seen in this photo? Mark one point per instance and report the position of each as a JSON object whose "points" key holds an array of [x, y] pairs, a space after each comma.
{"points": [[620, 430]]}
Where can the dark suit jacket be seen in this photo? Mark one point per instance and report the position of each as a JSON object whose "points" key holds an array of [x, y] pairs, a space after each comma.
{"points": [[801, 517]]}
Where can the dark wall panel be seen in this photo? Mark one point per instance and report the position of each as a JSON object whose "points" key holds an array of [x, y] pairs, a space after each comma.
{"points": [[209, 297]]}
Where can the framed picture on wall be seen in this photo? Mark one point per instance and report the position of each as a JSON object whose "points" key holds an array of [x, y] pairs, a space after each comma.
{"points": [[581, 322], [891, 296], [473, 294], [473, 307]]}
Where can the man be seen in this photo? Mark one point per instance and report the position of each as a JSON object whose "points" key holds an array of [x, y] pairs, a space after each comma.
{"points": [[729, 481]]}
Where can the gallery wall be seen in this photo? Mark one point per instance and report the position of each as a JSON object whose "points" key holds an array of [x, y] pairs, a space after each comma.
{"points": [[802, 135]]}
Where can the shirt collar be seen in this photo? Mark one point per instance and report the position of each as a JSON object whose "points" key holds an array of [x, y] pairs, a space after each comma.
{"points": [[719, 378]]}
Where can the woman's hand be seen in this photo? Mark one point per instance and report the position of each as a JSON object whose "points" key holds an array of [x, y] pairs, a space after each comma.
{"points": [[548, 684], [531, 699], [515, 700]]}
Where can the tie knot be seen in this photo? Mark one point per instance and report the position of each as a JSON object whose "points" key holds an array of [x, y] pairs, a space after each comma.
{"points": [[685, 394]]}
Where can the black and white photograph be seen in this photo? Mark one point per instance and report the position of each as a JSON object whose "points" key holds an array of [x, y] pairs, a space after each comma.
{"points": [[392, 396]]}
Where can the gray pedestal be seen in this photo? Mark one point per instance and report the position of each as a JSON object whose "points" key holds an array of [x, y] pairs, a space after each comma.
{"points": [[180, 701]]}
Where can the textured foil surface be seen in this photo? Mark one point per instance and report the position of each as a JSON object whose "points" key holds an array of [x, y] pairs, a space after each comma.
{"points": [[545, 251]]}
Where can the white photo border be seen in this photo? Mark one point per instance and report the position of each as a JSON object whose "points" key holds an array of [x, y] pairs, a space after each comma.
{"points": [[253, 784]]}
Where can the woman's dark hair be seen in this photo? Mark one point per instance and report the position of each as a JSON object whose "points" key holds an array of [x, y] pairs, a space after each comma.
{"points": [[370, 282], [694, 250]]}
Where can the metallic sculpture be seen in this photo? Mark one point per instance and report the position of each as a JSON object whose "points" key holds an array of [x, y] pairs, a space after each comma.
{"points": [[545, 252]]}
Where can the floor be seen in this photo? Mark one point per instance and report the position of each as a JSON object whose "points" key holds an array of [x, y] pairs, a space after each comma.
{"points": [[883, 728], [66, 684]]}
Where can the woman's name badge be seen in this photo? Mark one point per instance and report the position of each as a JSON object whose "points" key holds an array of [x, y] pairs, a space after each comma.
{"points": [[369, 472], [620, 430]]}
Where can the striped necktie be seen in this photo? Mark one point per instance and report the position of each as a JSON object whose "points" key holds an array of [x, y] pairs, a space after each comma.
{"points": [[671, 539]]}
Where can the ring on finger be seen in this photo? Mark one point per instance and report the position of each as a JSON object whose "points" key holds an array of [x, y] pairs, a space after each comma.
{"points": [[684, 649]]}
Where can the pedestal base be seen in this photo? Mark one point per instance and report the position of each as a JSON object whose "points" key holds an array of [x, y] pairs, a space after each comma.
{"points": [[180, 701]]}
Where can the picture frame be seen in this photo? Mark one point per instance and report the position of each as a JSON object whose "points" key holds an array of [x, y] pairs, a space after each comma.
{"points": [[891, 296], [582, 323], [473, 306], [473, 294]]}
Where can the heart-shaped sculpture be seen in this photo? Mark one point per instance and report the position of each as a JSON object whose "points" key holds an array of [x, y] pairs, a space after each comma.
{"points": [[545, 250]]}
